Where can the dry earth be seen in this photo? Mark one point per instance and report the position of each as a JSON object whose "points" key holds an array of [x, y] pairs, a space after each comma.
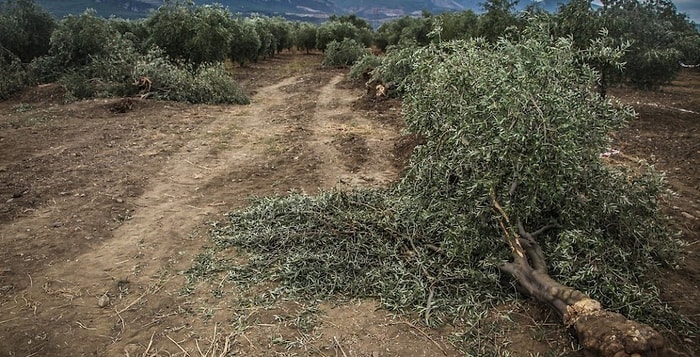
{"points": [[104, 203]]}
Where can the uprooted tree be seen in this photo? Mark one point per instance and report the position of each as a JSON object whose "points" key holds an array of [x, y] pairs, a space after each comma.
{"points": [[510, 179], [518, 139]]}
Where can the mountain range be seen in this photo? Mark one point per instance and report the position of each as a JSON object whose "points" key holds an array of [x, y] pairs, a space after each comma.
{"points": [[376, 11]]}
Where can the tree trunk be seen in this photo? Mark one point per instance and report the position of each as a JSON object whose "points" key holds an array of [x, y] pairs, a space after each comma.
{"points": [[600, 332]]}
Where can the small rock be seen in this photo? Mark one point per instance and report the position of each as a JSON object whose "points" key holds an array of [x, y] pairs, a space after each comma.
{"points": [[103, 301], [57, 224], [119, 200], [687, 215]]}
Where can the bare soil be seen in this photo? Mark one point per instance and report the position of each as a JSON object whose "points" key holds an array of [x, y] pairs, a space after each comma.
{"points": [[104, 203]]}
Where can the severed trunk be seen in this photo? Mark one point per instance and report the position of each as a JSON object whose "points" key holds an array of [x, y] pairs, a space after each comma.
{"points": [[600, 332]]}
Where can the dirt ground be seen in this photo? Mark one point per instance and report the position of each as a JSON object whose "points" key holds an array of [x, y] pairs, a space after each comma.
{"points": [[104, 203]]}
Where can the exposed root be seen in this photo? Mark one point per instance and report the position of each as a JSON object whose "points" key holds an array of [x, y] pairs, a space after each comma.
{"points": [[600, 333], [609, 334]]}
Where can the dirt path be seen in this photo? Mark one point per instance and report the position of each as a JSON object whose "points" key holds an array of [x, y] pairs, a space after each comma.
{"points": [[106, 209]]}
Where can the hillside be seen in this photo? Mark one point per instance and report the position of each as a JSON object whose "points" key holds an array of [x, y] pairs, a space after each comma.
{"points": [[309, 10]]}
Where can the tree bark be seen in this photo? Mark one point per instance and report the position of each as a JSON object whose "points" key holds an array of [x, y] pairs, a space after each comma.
{"points": [[600, 332]]}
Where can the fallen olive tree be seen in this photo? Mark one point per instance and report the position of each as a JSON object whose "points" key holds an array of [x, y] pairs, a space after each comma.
{"points": [[518, 136], [510, 180]]}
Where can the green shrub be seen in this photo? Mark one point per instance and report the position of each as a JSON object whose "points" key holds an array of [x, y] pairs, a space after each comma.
{"points": [[78, 85], [13, 76], [209, 83], [343, 53]]}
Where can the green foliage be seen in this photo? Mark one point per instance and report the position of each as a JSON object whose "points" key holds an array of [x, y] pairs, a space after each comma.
{"points": [[196, 34], [404, 30], [344, 53], [132, 30], [655, 30], [75, 43], [517, 121], [397, 66], [282, 32], [361, 244], [352, 19], [578, 20], [499, 15], [25, 29], [78, 39], [335, 31], [305, 37], [208, 83], [245, 42], [267, 40], [364, 67], [13, 76], [78, 85], [363, 27], [107, 74], [457, 25]]}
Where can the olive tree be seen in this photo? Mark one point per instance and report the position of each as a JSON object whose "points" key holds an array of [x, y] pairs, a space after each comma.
{"points": [[196, 34], [305, 37], [403, 30], [282, 32], [659, 37], [245, 42], [458, 25], [268, 43], [78, 38], [498, 16], [335, 31]]}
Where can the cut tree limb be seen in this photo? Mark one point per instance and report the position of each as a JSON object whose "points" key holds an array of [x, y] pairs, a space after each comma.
{"points": [[600, 332]]}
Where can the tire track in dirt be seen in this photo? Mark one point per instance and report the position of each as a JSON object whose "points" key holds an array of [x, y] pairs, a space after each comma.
{"points": [[338, 133], [146, 251], [284, 140]]}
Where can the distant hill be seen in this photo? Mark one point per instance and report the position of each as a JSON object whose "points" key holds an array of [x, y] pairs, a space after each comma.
{"points": [[127, 9], [309, 10]]}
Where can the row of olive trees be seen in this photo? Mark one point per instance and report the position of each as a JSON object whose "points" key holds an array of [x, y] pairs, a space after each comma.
{"points": [[655, 35], [92, 56]]}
